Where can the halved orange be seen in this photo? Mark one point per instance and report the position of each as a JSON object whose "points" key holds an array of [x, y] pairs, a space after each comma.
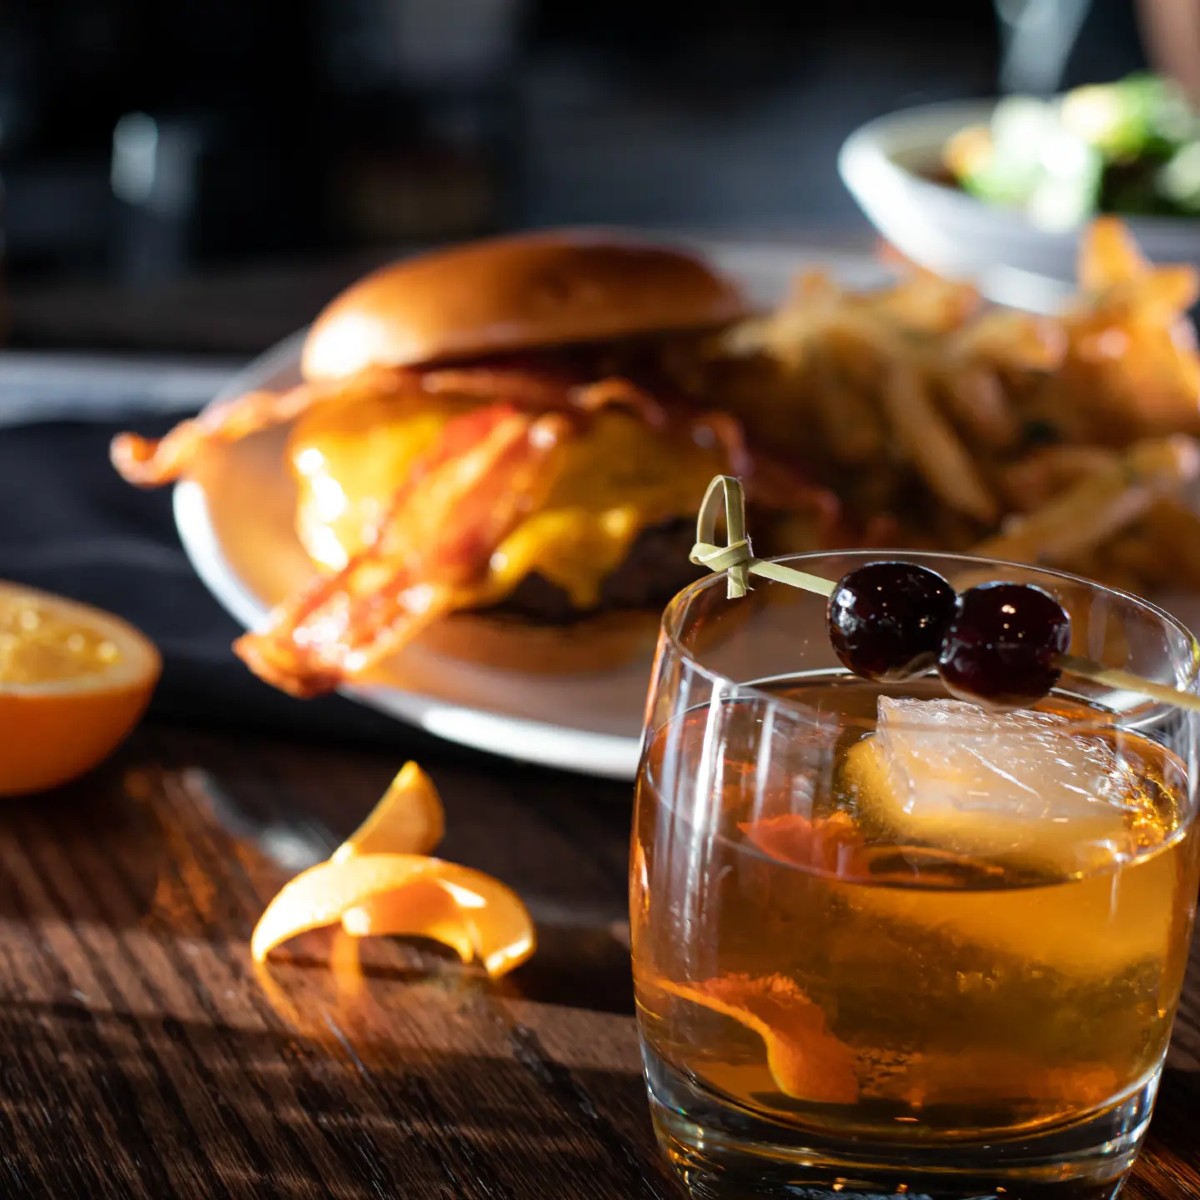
{"points": [[73, 682]]}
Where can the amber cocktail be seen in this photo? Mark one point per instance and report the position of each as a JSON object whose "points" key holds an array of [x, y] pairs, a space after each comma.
{"points": [[887, 941]]}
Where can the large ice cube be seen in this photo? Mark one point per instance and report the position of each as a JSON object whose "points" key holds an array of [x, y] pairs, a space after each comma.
{"points": [[1024, 789], [975, 782]]}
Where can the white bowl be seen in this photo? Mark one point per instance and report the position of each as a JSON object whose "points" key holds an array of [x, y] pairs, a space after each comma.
{"points": [[1014, 260]]}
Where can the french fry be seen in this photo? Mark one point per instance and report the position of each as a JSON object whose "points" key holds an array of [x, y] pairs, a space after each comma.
{"points": [[1032, 481], [1131, 349], [1099, 505], [974, 399], [862, 346], [852, 426], [785, 335], [1108, 256], [1132, 379], [926, 303], [1015, 340], [1158, 296], [746, 338], [934, 448], [787, 332], [1118, 280], [1171, 534]]}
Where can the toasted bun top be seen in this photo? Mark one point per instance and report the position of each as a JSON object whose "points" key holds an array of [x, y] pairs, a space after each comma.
{"points": [[516, 293]]}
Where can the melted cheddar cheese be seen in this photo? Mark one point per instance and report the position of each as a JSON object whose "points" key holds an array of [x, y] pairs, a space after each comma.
{"points": [[616, 479]]}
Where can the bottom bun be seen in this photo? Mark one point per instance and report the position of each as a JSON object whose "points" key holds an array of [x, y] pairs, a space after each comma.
{"points": [[597, 643]]}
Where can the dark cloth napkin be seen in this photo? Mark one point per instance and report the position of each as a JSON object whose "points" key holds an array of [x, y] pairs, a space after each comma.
{"points": [[69, 524]]}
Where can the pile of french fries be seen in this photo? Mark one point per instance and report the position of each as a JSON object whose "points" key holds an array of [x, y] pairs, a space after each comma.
{"points": [[940, 422]]}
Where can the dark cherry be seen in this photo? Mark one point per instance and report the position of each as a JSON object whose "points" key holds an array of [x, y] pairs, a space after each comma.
{"points": [[887, 619], [1001, 648]]}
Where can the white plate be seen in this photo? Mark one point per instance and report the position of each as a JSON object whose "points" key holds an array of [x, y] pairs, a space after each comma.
{"points": [[235, 521]]}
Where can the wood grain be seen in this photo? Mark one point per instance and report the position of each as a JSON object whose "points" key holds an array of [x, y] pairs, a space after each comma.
{"points": [[141, 1057]]}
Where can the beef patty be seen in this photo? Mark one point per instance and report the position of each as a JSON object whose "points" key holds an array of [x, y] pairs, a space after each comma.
{"points": [[655, 568]]}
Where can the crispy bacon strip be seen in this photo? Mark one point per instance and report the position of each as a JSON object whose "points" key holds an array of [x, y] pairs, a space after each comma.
{"points": [[545, 387], [769, 481], [618, 392], [440, 530], [549, 388], [149, 462]]}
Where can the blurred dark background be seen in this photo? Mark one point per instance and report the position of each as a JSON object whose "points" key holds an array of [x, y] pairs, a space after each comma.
{"points": [[142, 141]]}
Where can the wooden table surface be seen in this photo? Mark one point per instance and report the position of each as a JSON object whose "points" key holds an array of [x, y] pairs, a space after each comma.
{"points": [[140, 1056]]}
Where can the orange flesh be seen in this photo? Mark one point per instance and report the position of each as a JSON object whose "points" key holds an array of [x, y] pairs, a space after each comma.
{"points": [[38, 646]]}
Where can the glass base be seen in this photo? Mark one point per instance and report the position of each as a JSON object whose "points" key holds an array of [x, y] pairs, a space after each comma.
{"points": [[724, 1152]]}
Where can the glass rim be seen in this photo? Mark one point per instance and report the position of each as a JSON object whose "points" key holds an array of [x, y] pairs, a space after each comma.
{"points": [[672, 618]]}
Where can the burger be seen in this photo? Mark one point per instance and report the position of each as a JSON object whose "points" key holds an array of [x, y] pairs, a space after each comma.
{"points": [[498, 450]]}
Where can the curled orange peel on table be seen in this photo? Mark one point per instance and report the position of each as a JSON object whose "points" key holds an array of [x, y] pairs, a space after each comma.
{"points": [[382, 881], [409, 819], [806, 1061]]}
